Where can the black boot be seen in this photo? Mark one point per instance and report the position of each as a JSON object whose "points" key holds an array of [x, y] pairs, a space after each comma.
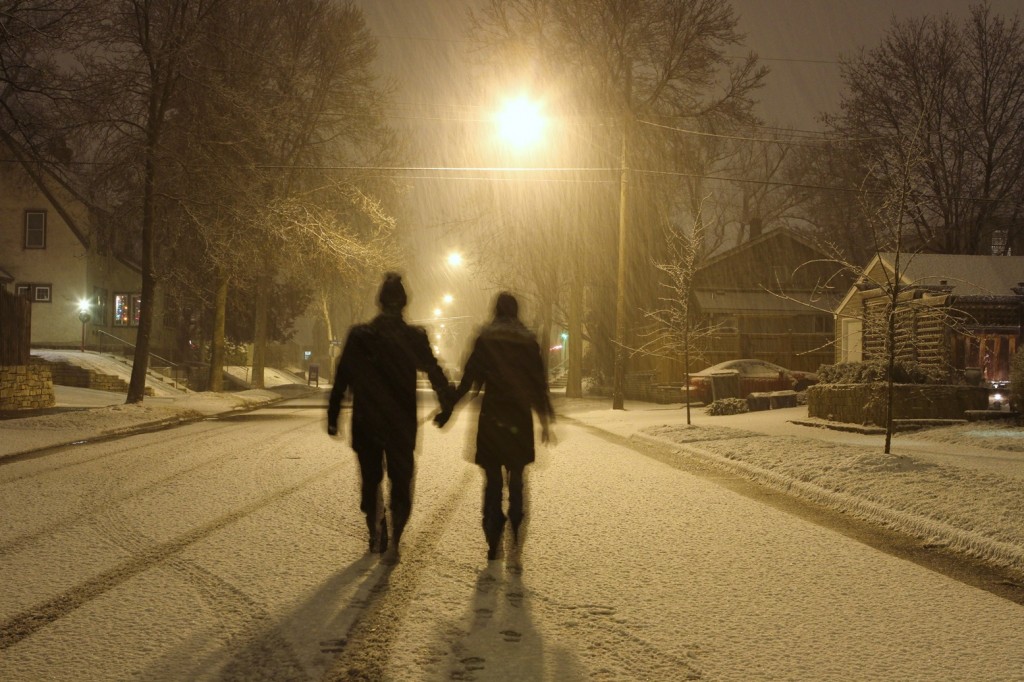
{"points": [[382, 535], [378, 535], [493, 531]]}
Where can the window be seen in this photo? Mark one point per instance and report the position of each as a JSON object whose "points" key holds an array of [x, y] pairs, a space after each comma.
{"points": [[999, 243], [35, 229], [99, 305], [37, 293], [126, 309]]}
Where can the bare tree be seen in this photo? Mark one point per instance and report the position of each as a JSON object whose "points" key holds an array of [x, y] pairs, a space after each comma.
{"points": [[962, 84], [675, 329], [620, 63], [888, 214]]}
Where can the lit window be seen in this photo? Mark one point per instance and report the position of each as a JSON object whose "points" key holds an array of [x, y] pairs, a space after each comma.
{"points": [[127, 308], [35, 229]]}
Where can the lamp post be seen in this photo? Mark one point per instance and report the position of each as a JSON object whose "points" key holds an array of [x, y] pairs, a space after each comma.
{"points": [[84, 317]]}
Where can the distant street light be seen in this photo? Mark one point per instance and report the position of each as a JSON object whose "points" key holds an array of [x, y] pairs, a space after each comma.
{"points": [[448, 298], [455, 259]]}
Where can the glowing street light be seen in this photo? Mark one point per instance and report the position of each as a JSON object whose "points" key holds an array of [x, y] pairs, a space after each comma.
{"points": [[448, 298], [84, 316], [454, 259], [520, 122]]}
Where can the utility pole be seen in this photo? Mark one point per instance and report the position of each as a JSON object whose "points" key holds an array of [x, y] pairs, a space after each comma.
{"points": [[619, 378]]}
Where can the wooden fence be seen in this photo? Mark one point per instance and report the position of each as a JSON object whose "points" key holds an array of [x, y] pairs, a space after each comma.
{"points": [[15, 329]]}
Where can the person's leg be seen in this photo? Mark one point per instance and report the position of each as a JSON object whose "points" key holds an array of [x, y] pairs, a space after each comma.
{"points": [[401, 470], [516, 512], [493, 518], [371, 469]]}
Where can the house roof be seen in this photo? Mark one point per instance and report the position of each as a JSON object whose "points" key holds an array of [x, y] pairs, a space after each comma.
{"points": [[5, 276], [967, 275], [768, 236], [760, 302]]}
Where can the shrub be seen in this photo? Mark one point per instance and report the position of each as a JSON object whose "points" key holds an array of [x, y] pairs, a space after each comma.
{"points": [[1017, 382], [872, 371], [727, 406]]}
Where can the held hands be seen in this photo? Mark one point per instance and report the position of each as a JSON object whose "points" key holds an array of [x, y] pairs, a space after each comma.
{"points": [[447, 398]]}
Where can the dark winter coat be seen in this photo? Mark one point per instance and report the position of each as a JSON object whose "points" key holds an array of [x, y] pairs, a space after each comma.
{"points": [[506, 363], [380, 361]]}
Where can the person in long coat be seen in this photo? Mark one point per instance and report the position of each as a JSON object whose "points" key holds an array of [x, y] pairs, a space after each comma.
{"points": [[506, 364], [379, 362]]}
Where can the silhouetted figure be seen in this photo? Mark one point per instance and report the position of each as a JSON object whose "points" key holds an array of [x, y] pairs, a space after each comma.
{"points": [[506, 363], [379, 363]]}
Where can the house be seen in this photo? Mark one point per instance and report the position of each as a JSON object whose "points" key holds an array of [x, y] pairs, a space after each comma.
{"points": [[770, 298], [53, 256], [955, 312]]}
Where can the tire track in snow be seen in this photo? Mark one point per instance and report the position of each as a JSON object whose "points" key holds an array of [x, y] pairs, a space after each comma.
{"points": [[110, 495], [19, 627]]}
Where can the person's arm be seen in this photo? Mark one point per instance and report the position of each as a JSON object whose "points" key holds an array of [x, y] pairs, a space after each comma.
{"points": [[541, 397], [469, 377], [432, 368], [342, 379]]}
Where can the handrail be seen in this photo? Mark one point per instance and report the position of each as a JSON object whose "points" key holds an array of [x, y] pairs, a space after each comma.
{"points": [[127, 343]]}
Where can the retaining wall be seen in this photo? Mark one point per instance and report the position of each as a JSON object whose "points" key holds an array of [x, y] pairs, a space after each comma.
{"points": [[26, 387]]}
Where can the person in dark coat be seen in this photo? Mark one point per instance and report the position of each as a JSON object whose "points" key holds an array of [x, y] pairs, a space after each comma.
{"points": [[379, 363], [506, 363]]}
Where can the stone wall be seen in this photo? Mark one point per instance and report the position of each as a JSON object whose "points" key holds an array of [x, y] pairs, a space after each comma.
{"points": [[26, 387], [865, 403]]}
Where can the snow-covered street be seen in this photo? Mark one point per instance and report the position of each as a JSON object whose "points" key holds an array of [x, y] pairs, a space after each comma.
{"points": [[234, 549]]}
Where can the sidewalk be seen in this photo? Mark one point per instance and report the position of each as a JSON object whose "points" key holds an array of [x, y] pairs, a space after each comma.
{"points": [[958, 487], [82, 414]]}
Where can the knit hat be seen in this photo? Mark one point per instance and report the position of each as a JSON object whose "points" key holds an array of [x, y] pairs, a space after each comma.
{"points": [[392, 293], [506, 306]]}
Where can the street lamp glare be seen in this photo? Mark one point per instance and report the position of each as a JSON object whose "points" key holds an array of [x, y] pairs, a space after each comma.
{"points": [[448, 298], [520, 122], [455, 259]]}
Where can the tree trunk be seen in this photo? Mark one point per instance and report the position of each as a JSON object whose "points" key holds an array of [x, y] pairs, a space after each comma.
{"points": [[140, 362], [545, 333], [259, 340], [574, 380], [217, 341]]}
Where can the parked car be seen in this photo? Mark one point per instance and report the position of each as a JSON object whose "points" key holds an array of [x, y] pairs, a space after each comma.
{"points": [[754, 376]]}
